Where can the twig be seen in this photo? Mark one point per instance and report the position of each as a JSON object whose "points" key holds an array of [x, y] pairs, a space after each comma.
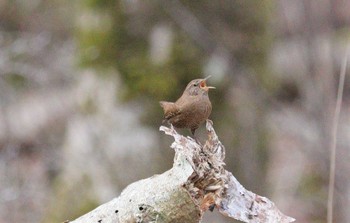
{"points": [[334, 140]]}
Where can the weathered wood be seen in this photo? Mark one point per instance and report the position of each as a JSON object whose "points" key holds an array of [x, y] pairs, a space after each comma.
{"points": [[197, 182]]}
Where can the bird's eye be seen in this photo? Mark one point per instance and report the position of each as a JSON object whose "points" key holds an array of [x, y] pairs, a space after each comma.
{"points": [[195, 84]]}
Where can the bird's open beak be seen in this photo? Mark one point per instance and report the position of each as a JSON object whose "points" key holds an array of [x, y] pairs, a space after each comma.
{"points": [[203, 84]]}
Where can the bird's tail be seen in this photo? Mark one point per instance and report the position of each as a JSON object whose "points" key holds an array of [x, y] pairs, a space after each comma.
{"points": [[169, 108]]}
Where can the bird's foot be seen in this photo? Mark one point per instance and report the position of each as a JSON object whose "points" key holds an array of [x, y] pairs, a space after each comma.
{"points": [[197, 141], [165, 122]]}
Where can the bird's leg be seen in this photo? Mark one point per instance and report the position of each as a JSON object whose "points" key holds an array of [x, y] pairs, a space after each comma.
{"points": [[171, 126], [194, 137], [193, 131], [165, 122]]}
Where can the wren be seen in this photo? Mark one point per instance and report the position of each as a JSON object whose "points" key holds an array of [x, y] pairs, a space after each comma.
{"points": [[192, 108]]}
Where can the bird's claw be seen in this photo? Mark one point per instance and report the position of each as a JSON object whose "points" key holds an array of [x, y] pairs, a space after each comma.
{"points": [[197, 141]]}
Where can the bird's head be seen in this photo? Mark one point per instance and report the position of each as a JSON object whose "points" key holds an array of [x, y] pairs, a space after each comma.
{"points": [[198, 87]]}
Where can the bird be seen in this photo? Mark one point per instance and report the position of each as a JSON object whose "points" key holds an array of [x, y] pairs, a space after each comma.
{"points": [[192, 108]]}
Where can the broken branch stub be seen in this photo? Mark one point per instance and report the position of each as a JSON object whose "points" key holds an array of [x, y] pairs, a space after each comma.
{"points": [[210, 185]]}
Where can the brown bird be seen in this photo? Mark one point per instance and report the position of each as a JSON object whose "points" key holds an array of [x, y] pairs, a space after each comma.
{"points": [[192, 108]]}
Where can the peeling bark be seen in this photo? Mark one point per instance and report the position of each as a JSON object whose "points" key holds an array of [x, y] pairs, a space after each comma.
{"points": [[197, 182]]}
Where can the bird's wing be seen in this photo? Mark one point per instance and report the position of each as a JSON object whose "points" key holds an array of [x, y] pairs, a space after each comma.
{"points": [[189, 105], [170, 109]]}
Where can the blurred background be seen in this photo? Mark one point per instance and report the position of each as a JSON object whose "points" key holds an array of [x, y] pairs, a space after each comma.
{"points": [[80, 83]]}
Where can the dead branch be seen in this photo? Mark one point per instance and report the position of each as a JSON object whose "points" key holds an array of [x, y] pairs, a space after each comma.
{"points": [[197, 182]]}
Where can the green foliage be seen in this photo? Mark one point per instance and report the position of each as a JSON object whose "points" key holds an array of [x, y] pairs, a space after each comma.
{"points": [[118, 47], [126, 47], [16, 80]]}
